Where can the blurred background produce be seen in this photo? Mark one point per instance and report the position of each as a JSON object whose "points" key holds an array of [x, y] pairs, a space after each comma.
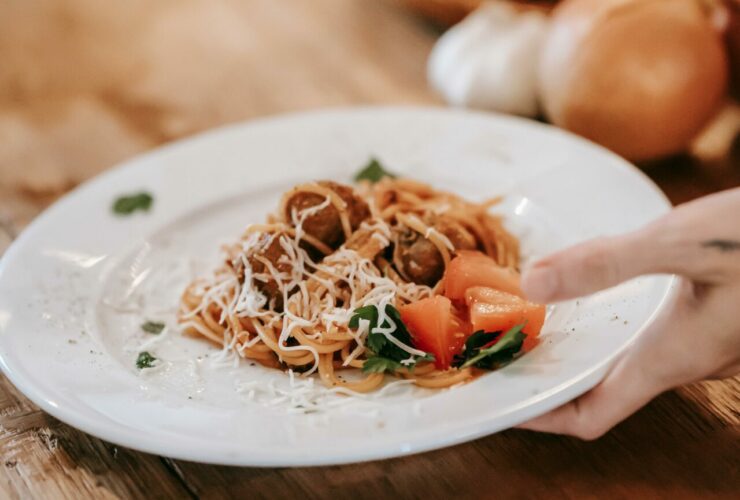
{"points": [[448, 12], [86, 84], [490, 60], [641, 77]]}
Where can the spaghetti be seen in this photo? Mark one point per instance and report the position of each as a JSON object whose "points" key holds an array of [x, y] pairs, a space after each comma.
{"points": [[287, 291]]}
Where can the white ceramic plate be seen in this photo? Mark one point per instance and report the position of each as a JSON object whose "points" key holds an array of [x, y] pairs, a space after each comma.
{"points": [[78, 282]]}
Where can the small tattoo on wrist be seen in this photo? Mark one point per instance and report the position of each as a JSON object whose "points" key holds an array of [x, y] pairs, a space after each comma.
{"points": [[722, 245]]}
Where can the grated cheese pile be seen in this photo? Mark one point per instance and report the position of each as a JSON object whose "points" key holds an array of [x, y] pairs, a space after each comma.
{"points": [[342, 282]]}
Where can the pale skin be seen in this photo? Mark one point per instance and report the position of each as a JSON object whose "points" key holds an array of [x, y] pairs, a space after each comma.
{"points": [[696, 338]]}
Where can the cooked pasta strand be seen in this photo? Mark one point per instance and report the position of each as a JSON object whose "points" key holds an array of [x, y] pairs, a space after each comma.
{"points": [[284, 297]]}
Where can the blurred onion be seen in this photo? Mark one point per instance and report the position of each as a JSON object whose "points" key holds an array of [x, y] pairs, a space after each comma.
{"points": [[640, 77]]}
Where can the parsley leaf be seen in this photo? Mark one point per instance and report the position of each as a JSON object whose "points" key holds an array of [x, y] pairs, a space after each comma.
{"points": [[426, 357], [377, 364], [386, 355], [373, 172], [379, 343], [153, 327], [473, 344], [401, 332], [126, 205], [502, 351], [369, 313], [145, 360], [479, 339], [376, 342]]}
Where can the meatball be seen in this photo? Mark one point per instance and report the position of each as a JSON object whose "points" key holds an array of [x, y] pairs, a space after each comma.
{"points": [[421, 260], [270, 288], [459, 236], [326, 225]]}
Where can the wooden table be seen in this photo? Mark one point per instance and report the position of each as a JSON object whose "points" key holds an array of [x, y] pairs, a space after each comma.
{"points": [[84, 84]]}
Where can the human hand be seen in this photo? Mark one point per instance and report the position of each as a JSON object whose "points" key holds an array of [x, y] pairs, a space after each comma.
{"points": [[697, 337]]}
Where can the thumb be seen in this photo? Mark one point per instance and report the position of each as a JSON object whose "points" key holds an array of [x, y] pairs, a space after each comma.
{"points": [[589, 267], [699, 240]]}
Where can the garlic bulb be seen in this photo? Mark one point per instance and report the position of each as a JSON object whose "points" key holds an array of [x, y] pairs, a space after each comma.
{"points": [[490, 60]]}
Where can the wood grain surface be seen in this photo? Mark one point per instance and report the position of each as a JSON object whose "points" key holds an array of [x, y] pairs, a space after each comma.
{"points": [[85, 84]]}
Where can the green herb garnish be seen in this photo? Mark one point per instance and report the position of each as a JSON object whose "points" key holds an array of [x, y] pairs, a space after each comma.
{"points": [[373, 172], [376, 364], [384, 354], [502, 351], [126, 205], [369, 313], [153, 327], [473, 344], [145, 360], [479, 339]]}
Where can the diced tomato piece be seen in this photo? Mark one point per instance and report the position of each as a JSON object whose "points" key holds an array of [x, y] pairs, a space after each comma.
{"points": [[436, 327], [470, 268], [493, 310]]}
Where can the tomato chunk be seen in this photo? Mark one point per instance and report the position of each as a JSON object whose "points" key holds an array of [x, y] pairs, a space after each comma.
{"points": [[436, 327], [493, 310], [470, 268]]}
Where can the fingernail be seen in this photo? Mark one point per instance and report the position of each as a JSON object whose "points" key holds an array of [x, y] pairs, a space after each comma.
{"points": [[540, 284]]}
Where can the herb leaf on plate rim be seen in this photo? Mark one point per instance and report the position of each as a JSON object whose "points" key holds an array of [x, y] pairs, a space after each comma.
{"points": [[128, 204], [153, 327], [145, 360]]}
